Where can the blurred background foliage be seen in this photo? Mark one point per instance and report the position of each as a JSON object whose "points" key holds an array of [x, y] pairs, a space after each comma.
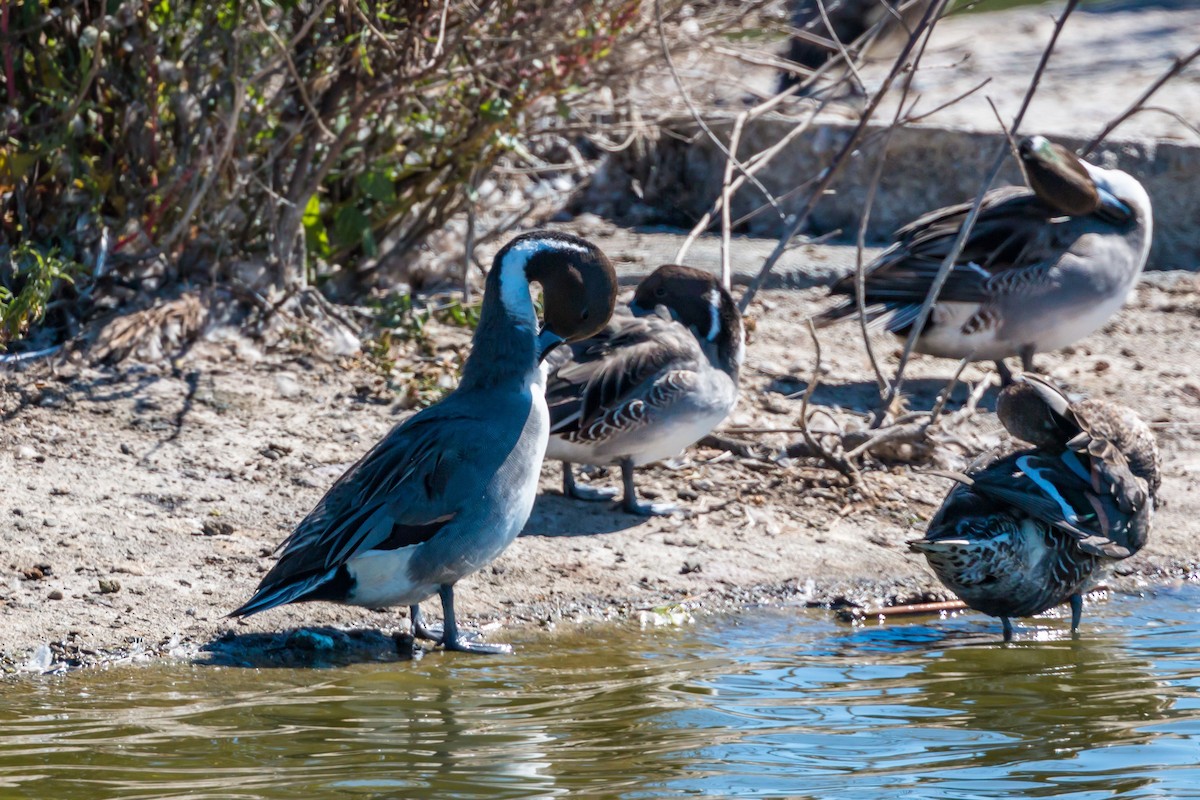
{"points": [[265, 145]]}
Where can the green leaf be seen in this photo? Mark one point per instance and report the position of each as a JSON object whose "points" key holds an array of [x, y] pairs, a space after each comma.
{"points": [[351, 228], [316, 237], [377, 186], [496, 109]]}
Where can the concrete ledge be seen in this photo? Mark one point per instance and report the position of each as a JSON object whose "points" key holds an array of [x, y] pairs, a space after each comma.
{"points": [[927, 167]]}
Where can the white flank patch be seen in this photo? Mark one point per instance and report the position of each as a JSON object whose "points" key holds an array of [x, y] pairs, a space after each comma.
{"points": [[1046, 486], [381, 579], [714, 310]]}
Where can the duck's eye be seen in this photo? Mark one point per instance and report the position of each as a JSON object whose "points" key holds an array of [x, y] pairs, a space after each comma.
{"points": [[660, 291], [583, 316]]}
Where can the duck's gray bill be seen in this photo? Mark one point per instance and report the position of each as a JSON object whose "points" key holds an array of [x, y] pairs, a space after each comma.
{"points": [[547, 341]]}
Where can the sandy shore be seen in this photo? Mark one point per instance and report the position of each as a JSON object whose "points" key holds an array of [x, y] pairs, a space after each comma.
{"points": [[142, 504]]}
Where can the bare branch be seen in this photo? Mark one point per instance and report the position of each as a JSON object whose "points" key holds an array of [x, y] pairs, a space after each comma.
{"points": [[1179, 65]]}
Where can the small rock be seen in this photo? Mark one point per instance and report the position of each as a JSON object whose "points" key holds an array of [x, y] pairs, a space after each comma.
{"points": [[109, 586], [29, 454], [126, 450], [217, 527], [287, 386], [55, 595], [36, 572], [690, 566]]}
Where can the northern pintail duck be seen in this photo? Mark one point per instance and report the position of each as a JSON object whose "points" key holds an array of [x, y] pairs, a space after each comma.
{"points": [[1031, 530], [448, 489], [650, 384], [1041, 269]]}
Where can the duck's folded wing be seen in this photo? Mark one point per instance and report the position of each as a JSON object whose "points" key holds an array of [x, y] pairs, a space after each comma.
{"points": [[1060, 491], [607, 373], [1110, 474], [401, 493], [1008, 246]]}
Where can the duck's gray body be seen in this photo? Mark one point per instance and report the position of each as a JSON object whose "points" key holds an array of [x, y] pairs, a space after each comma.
{"points": [[447, 490], [1002, 561], [667, 393], [656, 380], [502, 479], [1033, 276], [1037, 528], [1082, 277]]}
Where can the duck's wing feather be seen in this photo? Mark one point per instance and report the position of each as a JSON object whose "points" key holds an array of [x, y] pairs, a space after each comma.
{"points": [[1073, 494], [407, 488], [1010, 247], [608, 372]]}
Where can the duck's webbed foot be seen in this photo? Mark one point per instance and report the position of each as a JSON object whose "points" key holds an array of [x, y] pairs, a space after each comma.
{"points": [[452, 639], [430, 633], [644, 508], [588, 493]]}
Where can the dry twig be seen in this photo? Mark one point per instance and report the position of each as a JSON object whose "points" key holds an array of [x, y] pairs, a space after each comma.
{"points": [[1138, 105], [840, 463]]}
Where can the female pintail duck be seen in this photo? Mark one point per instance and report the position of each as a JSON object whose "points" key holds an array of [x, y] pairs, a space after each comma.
{"points": [[1030, 531], [450, 487], [648, 385], [1041, 269]]}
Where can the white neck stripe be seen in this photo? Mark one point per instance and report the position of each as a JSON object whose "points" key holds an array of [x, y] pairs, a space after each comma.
{"points": [[515, 292], [714, 309]]}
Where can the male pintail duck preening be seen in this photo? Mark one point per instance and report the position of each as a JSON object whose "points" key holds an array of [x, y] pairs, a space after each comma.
{"points": [[1031, 530], [1041, 269], [450, 487], [649, 384]]}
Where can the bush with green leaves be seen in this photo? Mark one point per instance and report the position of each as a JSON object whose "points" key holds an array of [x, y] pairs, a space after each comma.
{"points": [[197, 134]]}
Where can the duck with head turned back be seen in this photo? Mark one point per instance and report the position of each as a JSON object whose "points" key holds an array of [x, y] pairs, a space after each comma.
{"points": [[1042, 268], [1033, 529], [652, 383], [448, 489]]}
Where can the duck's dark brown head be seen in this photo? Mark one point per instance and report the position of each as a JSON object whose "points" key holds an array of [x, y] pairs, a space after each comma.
{"points": [[1058, 177], [579, 286], [1035, 411], [696, 299]]}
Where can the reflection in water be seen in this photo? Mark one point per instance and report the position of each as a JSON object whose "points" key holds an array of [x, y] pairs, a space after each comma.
{"points": [[778, 704]]}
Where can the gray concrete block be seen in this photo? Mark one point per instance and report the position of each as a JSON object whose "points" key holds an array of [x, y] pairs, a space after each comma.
{"points": [[927, 167]]}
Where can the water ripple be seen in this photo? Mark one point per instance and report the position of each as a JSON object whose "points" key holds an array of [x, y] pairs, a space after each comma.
{"points": [[773, 704]]}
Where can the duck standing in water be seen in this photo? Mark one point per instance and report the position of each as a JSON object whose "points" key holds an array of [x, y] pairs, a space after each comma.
{"points": [[448, 489], [648, 385], [1031, 530], [1042, 268]]}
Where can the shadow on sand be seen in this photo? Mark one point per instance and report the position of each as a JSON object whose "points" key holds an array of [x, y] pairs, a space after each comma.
{"points": [[555, 515], [863, 397]]}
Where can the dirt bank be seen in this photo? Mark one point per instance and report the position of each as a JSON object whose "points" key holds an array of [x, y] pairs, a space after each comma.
{"points": [[142, 504]]}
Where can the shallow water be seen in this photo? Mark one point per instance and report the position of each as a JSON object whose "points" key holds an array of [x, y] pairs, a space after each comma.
{"points": [[769, 704]]}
